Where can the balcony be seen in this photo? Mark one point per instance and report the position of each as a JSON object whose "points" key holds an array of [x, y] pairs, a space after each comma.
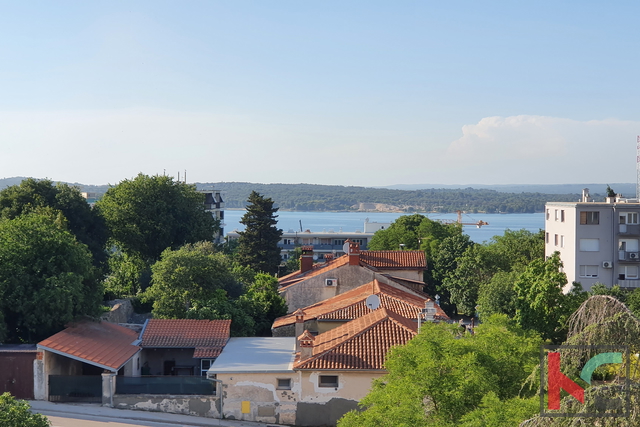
{"points": [[629, 256], [628, 283], [629, 229]]}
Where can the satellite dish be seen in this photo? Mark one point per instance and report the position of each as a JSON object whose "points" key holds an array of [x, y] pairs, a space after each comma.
{"points": [[345, 247], [373, 302]]}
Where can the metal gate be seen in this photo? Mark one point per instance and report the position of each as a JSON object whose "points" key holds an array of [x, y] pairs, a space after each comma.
{"points": [[75, 388], [16, 375]]}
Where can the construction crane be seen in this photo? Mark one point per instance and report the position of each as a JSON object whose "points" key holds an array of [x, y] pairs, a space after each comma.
{"points": [[477, 224]]}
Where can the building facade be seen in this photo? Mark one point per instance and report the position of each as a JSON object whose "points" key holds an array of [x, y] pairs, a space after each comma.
{"points": [[597, 241]]}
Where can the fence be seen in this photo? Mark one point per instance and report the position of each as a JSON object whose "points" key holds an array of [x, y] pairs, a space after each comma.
{"points": [[165, 385], [79, 388]]}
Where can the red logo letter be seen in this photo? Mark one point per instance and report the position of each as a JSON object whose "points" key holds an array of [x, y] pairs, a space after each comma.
{"points": [[557, 380]]}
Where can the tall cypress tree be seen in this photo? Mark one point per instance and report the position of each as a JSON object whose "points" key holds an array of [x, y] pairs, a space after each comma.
{"points": [[258, 243]]}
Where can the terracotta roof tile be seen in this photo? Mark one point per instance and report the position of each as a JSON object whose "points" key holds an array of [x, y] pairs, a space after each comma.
{"points": [[101, 344], [361, 344], [401, 260], [351, 304], [318, 269], [185, 333]]}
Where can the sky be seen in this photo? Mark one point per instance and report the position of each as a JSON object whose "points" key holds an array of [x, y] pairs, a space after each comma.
{"points": [[369, 93]]}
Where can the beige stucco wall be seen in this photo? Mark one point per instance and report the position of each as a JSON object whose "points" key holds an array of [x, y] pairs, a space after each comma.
{"points": [[267, 404], [321, 406]]}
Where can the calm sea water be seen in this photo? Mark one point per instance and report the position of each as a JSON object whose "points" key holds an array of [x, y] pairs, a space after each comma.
{"points": [[352, 221]]}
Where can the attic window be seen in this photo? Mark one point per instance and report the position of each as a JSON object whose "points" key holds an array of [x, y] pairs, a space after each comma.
{"points": [[328, 381], [284, 384]]}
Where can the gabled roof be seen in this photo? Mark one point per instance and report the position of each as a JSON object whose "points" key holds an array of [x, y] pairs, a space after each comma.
{"points": [[207, 337], [103, 344], [375, 260], [352, 304], [396, 260], [361, 344]]}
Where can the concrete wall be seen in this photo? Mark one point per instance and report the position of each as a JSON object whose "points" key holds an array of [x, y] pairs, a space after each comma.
{"points": [[132, 367], [39, 380], [266, 403], [324, 406], [54, 364], [201, 406]]}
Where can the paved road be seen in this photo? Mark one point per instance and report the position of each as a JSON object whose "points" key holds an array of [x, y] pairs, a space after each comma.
{"points": [[93, 415]]}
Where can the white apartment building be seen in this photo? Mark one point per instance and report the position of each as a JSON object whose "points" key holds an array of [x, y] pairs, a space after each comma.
{"points": [[597, 241]]}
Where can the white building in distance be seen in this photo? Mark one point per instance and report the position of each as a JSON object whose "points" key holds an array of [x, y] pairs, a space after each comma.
{"points": [[597, 241]]}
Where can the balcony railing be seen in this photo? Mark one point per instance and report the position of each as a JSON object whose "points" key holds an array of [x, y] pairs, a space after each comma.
{"points": [[629, 256]]}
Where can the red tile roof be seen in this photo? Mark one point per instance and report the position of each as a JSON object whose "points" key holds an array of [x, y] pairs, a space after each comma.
{"points": [[397, 260], [102, 344], [361, 344], [352, 304], [207, 336], [379, 260]]}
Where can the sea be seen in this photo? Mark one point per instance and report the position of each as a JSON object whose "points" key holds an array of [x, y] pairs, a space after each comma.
{"points": [[353, 221]]}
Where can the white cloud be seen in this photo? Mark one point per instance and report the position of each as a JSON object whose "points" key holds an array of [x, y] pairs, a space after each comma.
{"points": [[539, 149]]}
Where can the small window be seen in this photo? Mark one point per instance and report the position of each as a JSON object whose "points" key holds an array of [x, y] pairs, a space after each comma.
{"points": [[328, 381], [555, 239], [589, 218], [546, 237], [589, 245], [562, 215], [284, 384], [588, 271], [547, 214], [561, 241], [632, 218], [205, 364]]}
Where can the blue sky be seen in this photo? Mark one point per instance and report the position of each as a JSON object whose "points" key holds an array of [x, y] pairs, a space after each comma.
{"points": [[331, 92]]}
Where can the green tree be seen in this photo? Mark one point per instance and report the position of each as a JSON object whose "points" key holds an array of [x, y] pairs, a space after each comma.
{"points": [[498, 413], [541, 304], [17, 413], [463, 283], [258, 243], [86, 223], [128, 275], [498, 295], [190, 274], [219, 306], [442, 374], [293, 263], [46, 277], [148, 214], [263, 303]]}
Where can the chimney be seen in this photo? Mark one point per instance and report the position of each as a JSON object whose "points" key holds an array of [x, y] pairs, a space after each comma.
{"points": [[305, 342], [306, 259], [354, 253], [328, 257], [299, 325]]}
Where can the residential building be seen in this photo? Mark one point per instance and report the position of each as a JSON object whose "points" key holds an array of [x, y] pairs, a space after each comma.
{"points": [[309, 380], [350, 305], [315, 283], [598, 241], [327, 244], [214, 204]]}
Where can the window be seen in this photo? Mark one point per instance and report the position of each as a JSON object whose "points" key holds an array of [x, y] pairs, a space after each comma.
{"points": [[338, 242], [328, 381], [629, 245], [588, 271], [557, 214], [284, 384], [629, 272], [629, 218], [547, 214], [562, 215], [546, 237], [205, 364], [589, 245], [555, 239], [562, 241], [287, 242], [589, 218]]}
